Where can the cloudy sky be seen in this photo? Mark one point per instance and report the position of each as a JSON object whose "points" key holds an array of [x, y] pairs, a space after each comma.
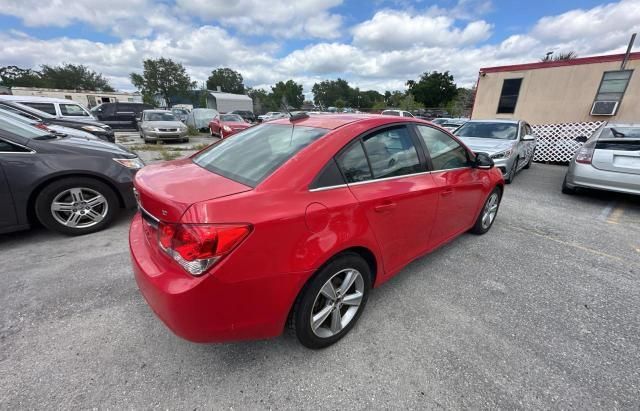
{"points": [[374, 44]]}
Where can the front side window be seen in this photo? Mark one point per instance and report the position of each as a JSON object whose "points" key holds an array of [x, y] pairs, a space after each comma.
{"points": [[509, 96], [72, 110], [391, 153], [252, 155], [446, 153], [46, 107], [390, 113]]}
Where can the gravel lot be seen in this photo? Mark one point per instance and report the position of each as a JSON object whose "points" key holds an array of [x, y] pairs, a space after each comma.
{"points": [[542, 312]]}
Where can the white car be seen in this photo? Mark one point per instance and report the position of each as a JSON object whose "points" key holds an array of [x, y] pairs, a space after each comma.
{"points": [[59, 107], [397, 113], [272, 115]]}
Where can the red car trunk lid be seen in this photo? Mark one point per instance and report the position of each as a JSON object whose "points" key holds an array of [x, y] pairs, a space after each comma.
{"points": [[166, 190]]}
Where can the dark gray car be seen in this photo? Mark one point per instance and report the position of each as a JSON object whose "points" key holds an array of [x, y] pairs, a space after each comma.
{"points": [[68, 184]]}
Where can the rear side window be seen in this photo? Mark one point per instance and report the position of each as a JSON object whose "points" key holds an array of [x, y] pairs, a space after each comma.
{"points": [[391, 113], [6, 147], [72, 110], [391, 152], [252, 155], [353, 163], [446, 153], [46, 107]]}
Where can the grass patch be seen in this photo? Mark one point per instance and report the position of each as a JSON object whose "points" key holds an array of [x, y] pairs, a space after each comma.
{"points": [[200, 146], [168, 155], [153, 147], [192, 131]]}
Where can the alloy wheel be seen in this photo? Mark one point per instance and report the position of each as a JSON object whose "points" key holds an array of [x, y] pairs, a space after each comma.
{"points": [[490, 210], [79, 207], [337, 303]]}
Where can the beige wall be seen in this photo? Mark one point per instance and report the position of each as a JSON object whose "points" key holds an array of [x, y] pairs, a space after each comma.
{"points": [[557, 94], [78, 97]]}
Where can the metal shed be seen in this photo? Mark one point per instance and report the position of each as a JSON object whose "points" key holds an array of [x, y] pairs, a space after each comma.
{"points": [[226, 102]]}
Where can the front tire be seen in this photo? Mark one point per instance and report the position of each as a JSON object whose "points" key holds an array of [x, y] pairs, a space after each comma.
{"points": [[76, 205], [489, 212], [513, 171], [332, 302]]}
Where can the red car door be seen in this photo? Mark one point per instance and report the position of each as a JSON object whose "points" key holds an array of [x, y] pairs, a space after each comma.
{"points": [[460, 187], [396, 192]]}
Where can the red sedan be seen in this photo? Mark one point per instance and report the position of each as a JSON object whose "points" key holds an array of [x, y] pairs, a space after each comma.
{"points": [[225, 125], [295, 220]]}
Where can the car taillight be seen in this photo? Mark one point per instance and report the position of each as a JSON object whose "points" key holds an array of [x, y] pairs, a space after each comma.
{"points": [[197, 247], [43, 127], [585, 155]]}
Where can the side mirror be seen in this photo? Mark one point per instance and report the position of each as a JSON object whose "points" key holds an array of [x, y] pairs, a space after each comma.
{"points": [[581, 139], [528, 137], [483, 161]]}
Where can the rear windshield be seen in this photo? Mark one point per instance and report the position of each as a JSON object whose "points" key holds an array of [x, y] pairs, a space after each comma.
{"points": [[251, 156], [620, 132], [21, 129]]}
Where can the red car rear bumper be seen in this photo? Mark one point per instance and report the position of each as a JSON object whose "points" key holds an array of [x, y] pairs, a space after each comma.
{"points": [[206, 309]]}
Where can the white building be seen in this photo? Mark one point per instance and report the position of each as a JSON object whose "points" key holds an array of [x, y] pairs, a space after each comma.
{"points": [[87, 98]]}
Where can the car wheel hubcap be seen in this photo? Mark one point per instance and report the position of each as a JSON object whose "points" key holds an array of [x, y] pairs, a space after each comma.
{"points": [[337, 303], [490, 211], [79, 207]]}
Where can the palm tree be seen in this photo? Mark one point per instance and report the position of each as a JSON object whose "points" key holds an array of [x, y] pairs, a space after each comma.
{"points": [[569, 55]]}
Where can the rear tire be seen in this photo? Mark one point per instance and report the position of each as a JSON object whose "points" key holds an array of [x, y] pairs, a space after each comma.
{"points": [[566, 189], [334, 309], [489, 212], [87, 205]]}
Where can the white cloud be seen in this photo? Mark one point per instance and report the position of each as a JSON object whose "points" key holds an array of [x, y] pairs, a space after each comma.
{"points": [[393, 30], [281, 18]]}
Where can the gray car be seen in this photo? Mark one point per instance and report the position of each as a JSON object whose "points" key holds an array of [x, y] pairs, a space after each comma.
{"points": [[161, 125], [72, 185], [510, 143], [609, 160]]}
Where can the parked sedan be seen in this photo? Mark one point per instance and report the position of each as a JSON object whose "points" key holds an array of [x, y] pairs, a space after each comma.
{"points": [[452, 124], [225, 125], [609, 160], [56, 130], [102, 131], [161, 125], [271, 115], [68, 184], [293, 221], [510, 143], [400, 113]]}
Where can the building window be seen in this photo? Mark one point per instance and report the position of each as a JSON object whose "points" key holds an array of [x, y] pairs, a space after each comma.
{"points": [[68, 97], [613, 85], [509, 96]]}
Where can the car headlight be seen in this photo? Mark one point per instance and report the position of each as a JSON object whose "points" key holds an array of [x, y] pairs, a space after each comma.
{"points": [[92, 128], [133, 163], [226, 128], [502, 154]]}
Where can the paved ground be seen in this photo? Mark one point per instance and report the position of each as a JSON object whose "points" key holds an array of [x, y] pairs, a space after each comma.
{"points": [[542, 312]]}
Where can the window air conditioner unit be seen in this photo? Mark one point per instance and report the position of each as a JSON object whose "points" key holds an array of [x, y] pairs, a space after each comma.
{"points": [[604, 108]]}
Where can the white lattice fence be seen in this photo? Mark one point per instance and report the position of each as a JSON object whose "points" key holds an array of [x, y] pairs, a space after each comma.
{"points": [[556, 142]]}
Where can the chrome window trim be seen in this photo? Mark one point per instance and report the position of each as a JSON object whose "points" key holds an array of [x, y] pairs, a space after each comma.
{"points": [[375, 180], [31, 151], [312, 190]]}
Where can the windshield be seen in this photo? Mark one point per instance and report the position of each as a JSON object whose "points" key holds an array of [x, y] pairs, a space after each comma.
{"points": [[501, 131], [159, 116], [180, 111], [21, 129], [231, 117], [251, 156], [620, 132]]}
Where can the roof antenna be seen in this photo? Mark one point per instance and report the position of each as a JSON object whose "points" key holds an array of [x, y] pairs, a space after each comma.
{"points": [[293, 117]]}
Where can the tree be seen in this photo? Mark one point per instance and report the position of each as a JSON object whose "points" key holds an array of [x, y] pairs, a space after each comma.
{"points": [[395, 98], [340, 103], [66, 76], [289, 93], [228, 80], [164, 77], [462, 104], [327, 92], [14, 76], [569, 55], [433, 89], [71, 76], [409, 103], [262, 101]]}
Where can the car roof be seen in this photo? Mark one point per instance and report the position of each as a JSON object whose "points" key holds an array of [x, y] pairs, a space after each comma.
{"points": [[156, 111], [333, 121], [495, 121], [36, 99], [611, 124]]}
